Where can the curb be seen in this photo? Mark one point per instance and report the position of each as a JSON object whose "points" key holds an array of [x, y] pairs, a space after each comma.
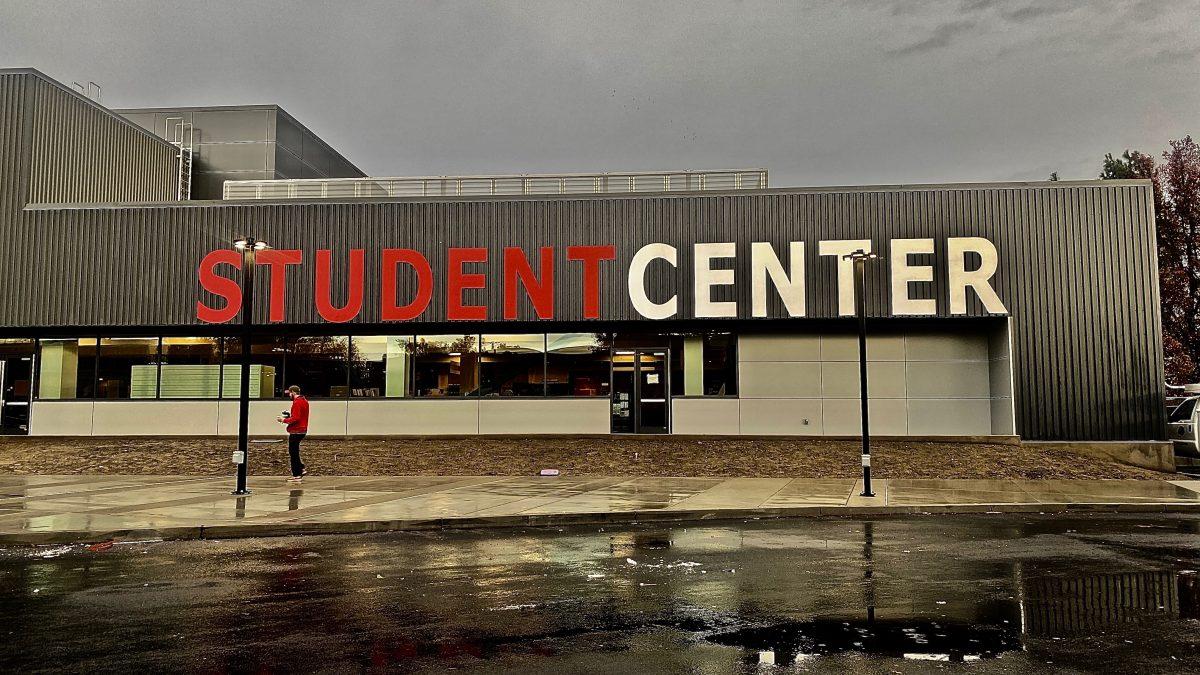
{"points": [[200, 532]]}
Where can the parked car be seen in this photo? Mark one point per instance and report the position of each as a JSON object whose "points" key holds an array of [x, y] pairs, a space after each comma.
{"points": [[1183, 423]]}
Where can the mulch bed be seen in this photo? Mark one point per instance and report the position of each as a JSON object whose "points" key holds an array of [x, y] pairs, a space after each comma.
{"points": [[495, 456]]}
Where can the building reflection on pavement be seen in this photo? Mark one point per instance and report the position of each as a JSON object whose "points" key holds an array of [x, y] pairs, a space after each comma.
{"points": [[685, 597]]}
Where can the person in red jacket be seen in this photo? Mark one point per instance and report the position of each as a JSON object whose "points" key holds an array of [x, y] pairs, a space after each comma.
{"points": [[297, 427]]}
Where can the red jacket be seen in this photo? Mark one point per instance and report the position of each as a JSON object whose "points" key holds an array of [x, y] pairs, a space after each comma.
{"points": [[297, 419]]}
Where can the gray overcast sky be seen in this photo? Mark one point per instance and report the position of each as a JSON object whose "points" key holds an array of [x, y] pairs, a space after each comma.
{"points": [[820, 93]]}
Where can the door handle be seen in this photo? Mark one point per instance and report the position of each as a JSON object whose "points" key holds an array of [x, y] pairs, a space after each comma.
{"points": [[653, 400]]}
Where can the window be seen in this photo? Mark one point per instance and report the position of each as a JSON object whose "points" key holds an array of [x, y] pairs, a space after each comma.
{"points": [[66, 369], [1183, 411], [127, 368], [704, 364], [318, 366], [266, 367], [720, 364], [190, 368], [445, 365], [512, 365], [380, 365], [578, 364]]}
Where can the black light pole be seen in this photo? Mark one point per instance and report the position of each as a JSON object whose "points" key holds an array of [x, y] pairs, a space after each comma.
{"points": [[249, 247], [860, 258]]}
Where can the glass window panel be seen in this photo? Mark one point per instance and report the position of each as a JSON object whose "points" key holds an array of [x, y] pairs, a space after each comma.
{"points": [[127, 368], [578, 364], [66, 369], [512, 365], [190, 368], [446, 365], [720, 364], [381, 365], [266, 367], [318, 366], [703, 364]]}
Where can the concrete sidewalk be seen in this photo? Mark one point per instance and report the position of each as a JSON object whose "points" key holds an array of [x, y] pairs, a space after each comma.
{"points": [[60, 509]]}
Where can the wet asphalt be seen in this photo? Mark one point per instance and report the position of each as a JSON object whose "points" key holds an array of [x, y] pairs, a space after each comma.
{"points": [[981, 594]]}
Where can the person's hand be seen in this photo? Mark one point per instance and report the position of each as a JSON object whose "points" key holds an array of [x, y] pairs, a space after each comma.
{"points": [[281, 420]]}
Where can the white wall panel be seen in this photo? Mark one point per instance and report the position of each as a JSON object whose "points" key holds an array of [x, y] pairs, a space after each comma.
{"points": [[885, 379], [545, 416], [383, 417], [779, 347], [781, 416], [949, 417], [154, 418], [775, 379], [262, 417], [842, 417], [60, 418], [708, 416], [844, 347]]}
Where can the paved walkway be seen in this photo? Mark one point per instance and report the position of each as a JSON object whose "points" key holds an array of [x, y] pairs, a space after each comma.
{"points": [[52, 509]]}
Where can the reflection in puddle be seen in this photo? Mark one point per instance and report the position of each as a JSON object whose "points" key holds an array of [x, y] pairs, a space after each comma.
{"points": [[1048, 607], [1066, 607], [794, 641]]}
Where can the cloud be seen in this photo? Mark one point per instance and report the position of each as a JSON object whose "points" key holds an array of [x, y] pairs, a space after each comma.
{"points": [[979, 5], [1034, 11], [942, 37], [1171, 56]]}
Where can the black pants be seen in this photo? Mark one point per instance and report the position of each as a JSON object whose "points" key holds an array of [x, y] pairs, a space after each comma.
{"points": [[294, 451]]}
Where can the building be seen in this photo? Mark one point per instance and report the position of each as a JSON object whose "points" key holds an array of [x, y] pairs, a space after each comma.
{"points": [[242, 143], [685, 303]]}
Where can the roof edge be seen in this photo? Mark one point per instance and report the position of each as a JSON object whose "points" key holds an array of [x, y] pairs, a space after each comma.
{"points": [[34, 72], [833, 189]]}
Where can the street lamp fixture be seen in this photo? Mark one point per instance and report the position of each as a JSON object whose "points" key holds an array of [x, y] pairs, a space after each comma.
{"points": [[860, 258], [249, 247], [249, 243]]}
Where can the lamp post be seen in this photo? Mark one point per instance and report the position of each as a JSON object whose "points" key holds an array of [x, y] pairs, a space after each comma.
{"points": [[249, 248], [860, 258]]}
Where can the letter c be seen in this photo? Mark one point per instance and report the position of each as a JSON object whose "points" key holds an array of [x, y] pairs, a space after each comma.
{"points": [[637, 281]]}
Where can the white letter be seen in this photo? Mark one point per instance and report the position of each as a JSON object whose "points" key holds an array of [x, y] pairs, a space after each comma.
{"points": [[960, 278], [845, 268], [637, 281], [903, 274], [706, 277], [764, 262]]}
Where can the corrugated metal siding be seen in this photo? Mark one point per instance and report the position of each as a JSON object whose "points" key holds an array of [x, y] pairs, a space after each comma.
{"points": [[1077, 267], [82, 153]]}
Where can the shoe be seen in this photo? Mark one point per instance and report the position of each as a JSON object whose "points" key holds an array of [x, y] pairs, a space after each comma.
{"points": [[303, 473], [295, 479]]}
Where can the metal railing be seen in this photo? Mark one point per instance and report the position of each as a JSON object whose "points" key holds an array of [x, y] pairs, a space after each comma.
{"points": [[518, 184]]}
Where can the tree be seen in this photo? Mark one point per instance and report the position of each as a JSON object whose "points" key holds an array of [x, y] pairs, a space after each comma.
{"points": [[1177, 224], [1179, 255]]}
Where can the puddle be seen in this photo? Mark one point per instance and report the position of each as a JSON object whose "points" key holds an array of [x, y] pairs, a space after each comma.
{"points": [[793, 641]]}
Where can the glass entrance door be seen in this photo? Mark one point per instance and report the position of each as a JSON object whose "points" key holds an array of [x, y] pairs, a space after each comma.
{"points": [[641, 402], [16, 379]]}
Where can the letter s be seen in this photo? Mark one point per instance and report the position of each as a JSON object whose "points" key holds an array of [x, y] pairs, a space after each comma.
{"points": [[222, 287]]}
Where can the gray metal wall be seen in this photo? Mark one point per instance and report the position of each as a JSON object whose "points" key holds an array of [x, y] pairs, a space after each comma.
{"points": [[256, 142], [299, 153], [1077, 267], [76, 151]]}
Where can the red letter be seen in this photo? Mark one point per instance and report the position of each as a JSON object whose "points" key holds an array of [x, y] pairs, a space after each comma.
{"points": [[278, 259], [457, 282], [591, 257], [540, 293], [354, 294], [222, 287], [389, 311]]}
